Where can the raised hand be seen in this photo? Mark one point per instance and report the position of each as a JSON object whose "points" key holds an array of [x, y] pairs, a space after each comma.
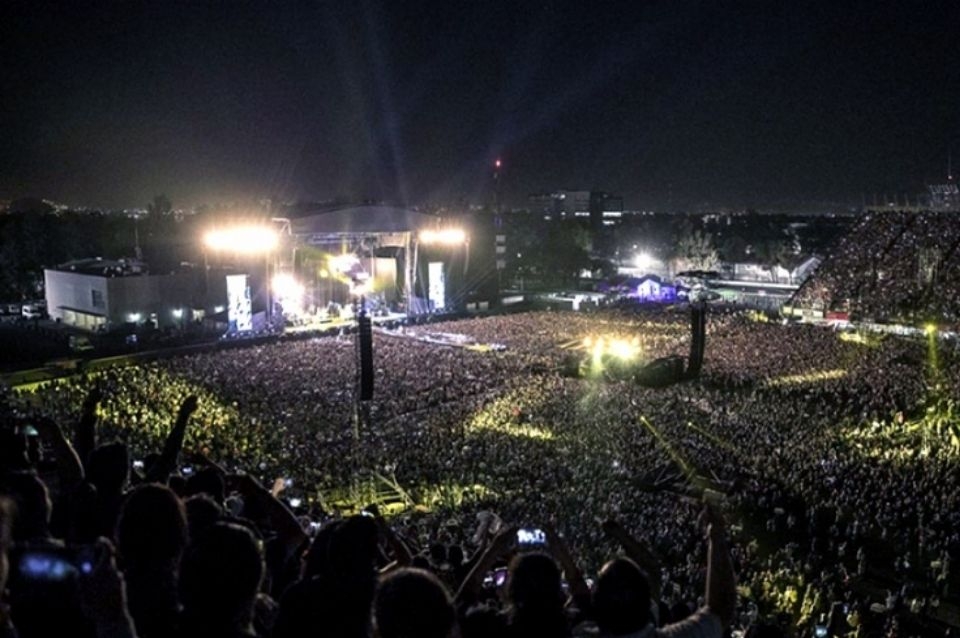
{"points": [[505, 540], [712, 521], [189, 405], [93, 398]]}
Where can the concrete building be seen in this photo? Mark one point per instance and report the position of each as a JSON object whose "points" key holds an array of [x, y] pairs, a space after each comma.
{"points": [[601, 209], [102, 294]]}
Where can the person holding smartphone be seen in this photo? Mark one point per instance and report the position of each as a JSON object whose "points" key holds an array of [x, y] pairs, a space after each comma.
{"points": [[622, 597]]}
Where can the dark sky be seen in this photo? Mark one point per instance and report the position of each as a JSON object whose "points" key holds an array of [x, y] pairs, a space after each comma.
{"points": [[410, 101]]}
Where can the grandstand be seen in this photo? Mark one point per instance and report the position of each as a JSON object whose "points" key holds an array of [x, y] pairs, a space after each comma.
{"points": [[892, 266]]}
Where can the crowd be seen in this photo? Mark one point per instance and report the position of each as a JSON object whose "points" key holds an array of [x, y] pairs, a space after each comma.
{"points": [[892, 266], [818, 450]]}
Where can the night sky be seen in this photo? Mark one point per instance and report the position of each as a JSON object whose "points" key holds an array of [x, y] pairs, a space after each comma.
{"points": [[682, 102]]}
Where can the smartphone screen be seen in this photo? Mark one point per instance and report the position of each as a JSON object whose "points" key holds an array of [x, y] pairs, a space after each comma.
{"points": [[55, 564], [531, 536], [44, 588]]}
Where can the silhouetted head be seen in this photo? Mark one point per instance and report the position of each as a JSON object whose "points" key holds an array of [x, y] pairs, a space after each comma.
{"points": [[353, 548], [202, 513], [482, 621], [152, 527], [413, 603], [534, 581], [109, 468], [438, 553], [316, 560], [536, 595], [220, 575], [206, 481], [455, 555], [33, 505], [621, 599]]}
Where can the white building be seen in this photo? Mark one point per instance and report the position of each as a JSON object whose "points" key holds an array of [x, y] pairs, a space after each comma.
{"points": [[102, 294]]}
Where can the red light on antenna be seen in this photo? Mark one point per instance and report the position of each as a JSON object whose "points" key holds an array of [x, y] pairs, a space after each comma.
{"points": [[497, 163]]}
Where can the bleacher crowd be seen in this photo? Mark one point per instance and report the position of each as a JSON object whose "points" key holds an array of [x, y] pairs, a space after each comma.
{"points": [[893, 266]]}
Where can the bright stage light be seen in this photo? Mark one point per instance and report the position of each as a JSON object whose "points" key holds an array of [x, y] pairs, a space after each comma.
{"points": [[930, 328], [622, 349], [284, 285], [643, 261], [344, 263], [448, 236], [288, 292], [243, 239]]}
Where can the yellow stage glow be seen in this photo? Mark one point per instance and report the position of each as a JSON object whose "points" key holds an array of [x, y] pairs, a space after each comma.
{"points": [[620, 348], [810, 377]]}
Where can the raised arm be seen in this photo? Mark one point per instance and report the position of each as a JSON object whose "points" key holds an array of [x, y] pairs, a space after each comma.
{"points": [[639, 553], [721, 581], [401, 553], [561, 551], [282, 520], [501, 544], [69, 468], [164, 466], [85, 438], [103, 596]]}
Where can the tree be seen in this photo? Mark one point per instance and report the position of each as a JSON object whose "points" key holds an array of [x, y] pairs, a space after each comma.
{"points": [[159, 207], [771, 253], [695, 251]]}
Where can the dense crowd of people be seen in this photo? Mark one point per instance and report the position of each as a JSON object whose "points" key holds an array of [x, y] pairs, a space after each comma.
{"points": [[831, 459], [892, 266]]}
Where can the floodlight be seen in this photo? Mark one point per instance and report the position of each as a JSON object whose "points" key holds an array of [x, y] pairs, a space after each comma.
{"points": [[643, 261], [622, 349], [243, 239], [284, 285], [288, 292], [448, 236], [344, 263]]}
